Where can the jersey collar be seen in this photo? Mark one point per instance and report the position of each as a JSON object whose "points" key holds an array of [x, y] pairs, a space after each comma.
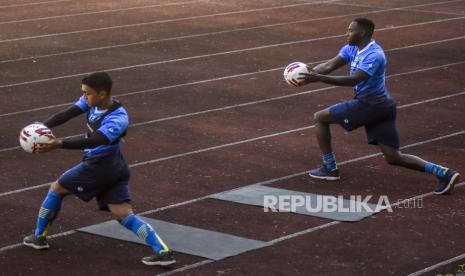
{"points": [[366, 47], [99, 111]]}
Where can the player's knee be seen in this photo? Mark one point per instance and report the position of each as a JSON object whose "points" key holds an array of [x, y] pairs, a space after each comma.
{"points": [[392, 159], [322, 116], [57, 188], [317, 117], [120, 211], [119, 216]]}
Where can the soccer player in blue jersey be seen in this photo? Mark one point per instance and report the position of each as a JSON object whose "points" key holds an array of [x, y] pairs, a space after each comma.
{"points": [[103, 172], [372, 107]]}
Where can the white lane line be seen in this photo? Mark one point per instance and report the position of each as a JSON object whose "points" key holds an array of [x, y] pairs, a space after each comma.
{"points": [[163, 21], [231, 52], [321, 227], [186, 267], [260, 137], [204, 16], [406, 9], [267, 244], [229, 77], [32, 4], [99, 12], [269, 100], [438, 265], [153, 41], [5, 248], [16, 245], [37, 109], [137, 164], [232, 144], [436, 12]]}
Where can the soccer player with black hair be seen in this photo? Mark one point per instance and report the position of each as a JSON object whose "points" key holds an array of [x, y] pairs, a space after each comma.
{"points": [[372, 107], [103, 172]]}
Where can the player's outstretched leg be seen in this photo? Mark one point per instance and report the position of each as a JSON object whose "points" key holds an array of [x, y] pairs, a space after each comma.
{"points": [[329, 170], [47, 213], [163, 255], [447, 177]]}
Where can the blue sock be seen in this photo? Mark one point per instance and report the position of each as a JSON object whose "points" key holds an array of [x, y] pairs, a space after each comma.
{"points": [[437, 170], [47, 213], [145, 232], [329, 161]]}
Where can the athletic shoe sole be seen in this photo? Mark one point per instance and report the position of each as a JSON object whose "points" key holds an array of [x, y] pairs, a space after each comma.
{"points": [[450, 186], [37, 247], [160, 263], [330, 178]]}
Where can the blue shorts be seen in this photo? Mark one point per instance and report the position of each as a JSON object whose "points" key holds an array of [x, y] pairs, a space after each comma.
{"points": [[379, 120], [106, 178]]}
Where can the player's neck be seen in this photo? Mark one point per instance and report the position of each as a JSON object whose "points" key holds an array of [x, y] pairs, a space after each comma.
{"points": [[363, 44], [105, 104]]}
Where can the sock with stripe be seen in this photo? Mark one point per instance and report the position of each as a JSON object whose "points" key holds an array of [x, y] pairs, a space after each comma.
{"points": [[437, 170], [145, 232], [47, 213], [329, 161]]}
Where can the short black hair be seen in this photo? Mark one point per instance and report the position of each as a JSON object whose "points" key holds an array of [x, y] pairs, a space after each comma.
{"points": [[99, 81], [366, 24]]}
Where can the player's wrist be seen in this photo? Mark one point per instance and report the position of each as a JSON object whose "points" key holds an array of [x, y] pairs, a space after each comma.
{"points": [[317, 76], [59, 143]]}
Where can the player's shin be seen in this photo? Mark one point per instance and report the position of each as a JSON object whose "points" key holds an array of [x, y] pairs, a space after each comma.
{"points": [[47, 213], [145, 232]]}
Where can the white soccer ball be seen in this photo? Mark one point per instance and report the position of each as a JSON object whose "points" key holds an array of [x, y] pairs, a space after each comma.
{"points": [[292, 71], [33, 134]]}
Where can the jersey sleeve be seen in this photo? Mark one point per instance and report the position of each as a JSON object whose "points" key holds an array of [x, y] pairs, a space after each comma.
{"points": [[82, 104], [371, 63], [114, 125], [344, 53]]}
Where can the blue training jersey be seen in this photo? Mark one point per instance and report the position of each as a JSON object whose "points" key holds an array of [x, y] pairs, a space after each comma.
{"points": [[112, 126], [372, 61]]}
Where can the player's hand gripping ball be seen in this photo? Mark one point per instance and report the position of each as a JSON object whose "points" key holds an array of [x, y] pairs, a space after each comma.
{"points": [[292, 71], [33, 134]]}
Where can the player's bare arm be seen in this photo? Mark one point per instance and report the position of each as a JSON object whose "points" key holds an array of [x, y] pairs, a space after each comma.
{"points": [[329, 66], [352, 80]]}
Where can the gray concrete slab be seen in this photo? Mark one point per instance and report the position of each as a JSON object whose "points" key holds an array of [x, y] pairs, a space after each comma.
{"points": [[180, 238], [258, 195]]}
